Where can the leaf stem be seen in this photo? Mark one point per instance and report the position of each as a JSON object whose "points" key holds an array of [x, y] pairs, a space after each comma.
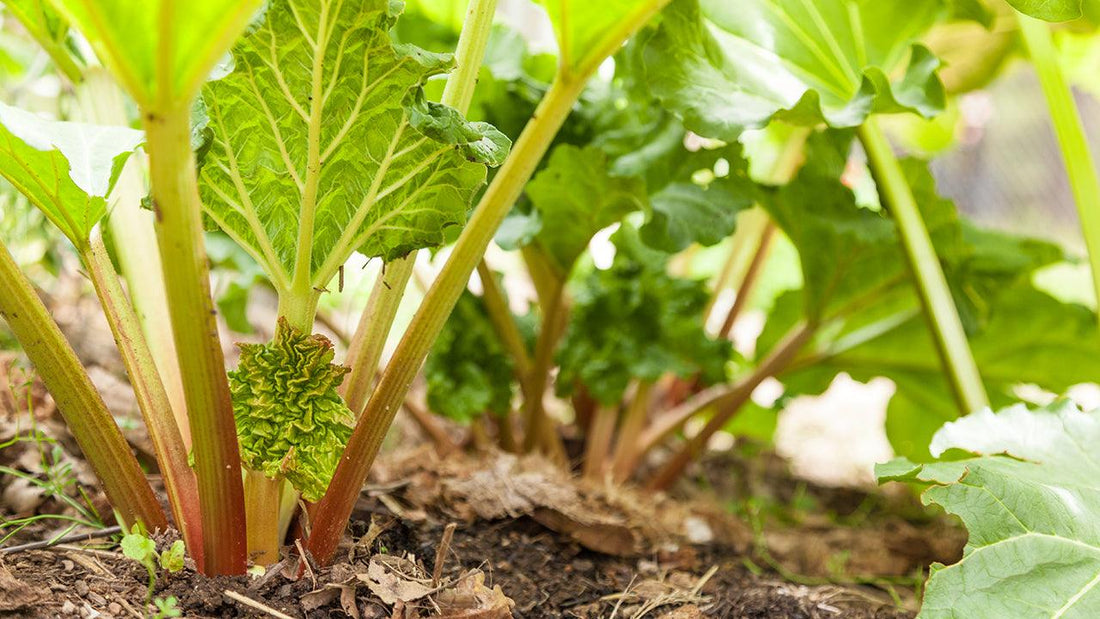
{"points": [[597, 441], [334, 509], [374, 327], [262, 497], [730, 404], [152, 399], [939, 307], [377, 318], [1078, 157], [748, 282], [136, 251], [202, 366], [84, 411], [634, 422], [539, 429]]}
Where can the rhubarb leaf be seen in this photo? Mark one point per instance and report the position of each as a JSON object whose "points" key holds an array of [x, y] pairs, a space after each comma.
{"points": [[727, 66], [65, 169], [704, 192], [858, 288], [1049, 10], [160, 50], [588, 32], [323, 143], [290, 419], [635, 322], [1027, 496], [468, 371], [575, 197]]}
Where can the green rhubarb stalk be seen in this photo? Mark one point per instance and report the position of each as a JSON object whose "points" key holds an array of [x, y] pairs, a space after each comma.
{"points": [[597, 441], [84, 411], [202, 365], [634, 422], [369, 339], [377, 318], [263, 507], [939, 307], [333, 511], [32, 16], [152, 399], [540, 429], [730, 403], [136, 251], [1078, 158]]}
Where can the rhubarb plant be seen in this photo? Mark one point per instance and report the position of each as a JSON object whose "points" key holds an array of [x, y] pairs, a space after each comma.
{"points": [[304, 132]]}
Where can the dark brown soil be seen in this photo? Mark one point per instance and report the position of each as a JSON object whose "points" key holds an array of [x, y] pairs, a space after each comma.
{"points": [[546, 572], [740, 538]]}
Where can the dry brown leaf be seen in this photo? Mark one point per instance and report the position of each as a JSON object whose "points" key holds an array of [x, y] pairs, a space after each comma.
{"points": [[16, 595], [471, 599], [394, 579]]}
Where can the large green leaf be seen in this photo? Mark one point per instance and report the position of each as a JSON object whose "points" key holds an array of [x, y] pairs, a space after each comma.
{"points": [[161, 50], [323, 125], [726, 66], [65, 169], [589, 31], [1049, 10], [700, 198], [1028, 498], [575, 197], [845, 250], [858, 287]]}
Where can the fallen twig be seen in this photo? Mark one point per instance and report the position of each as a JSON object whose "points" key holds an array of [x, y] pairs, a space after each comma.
{"points": [[73, 537], [441, 553], [251, 603]]}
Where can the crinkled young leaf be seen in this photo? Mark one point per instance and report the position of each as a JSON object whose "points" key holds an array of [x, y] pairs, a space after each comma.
{"points": [[576, 196], [1028, 498], [633, 321], [468, 371], [65, 169], [290, 419], [160, 50], [323, 124], [727, 66]]}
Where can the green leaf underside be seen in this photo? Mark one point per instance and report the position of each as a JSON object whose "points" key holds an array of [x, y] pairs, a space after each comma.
{"points": [[582, 27], [468, 371], [1049, 10], [727, 66], [65, 169], [290, 419], [633, 321], [126, 35], [323, 120], [1029, 500], [858, 285], [40, 19]]}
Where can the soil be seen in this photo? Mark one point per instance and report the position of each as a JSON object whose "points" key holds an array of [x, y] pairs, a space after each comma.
{"points": [[740, 537], [544, 565]]}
